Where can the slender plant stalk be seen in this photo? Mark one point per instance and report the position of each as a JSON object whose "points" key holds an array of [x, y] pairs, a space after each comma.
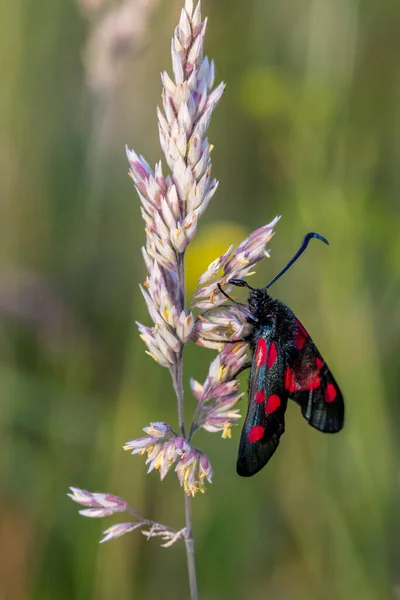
{"points": [[177, 369], [177, 379], [189, 544]]}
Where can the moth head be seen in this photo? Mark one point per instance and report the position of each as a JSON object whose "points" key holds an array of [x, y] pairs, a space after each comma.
{"points": [[256, 296]]}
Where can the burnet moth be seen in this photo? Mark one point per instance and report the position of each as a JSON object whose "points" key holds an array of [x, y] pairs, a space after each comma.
{"points": [[285, 364]]}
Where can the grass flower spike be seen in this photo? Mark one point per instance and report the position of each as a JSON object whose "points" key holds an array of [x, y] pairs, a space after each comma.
{"points": [[171, 205]]}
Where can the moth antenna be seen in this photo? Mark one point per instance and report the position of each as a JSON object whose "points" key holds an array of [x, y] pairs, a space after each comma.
{"points": [[299, 252], [241, 283]]}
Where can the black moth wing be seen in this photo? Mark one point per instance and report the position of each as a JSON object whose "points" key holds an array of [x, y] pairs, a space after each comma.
{"points": [[265, 419], [310, 383]]}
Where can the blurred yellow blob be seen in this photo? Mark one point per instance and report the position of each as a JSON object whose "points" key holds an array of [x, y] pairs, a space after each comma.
{"points": [[209, 243]]}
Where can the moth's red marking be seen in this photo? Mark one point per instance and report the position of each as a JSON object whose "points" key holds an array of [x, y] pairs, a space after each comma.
{"points": [[261, 352], [330, 393], [301, 335], [319, 363], [273, 403], [260, 396], [256, 433], [290, 383], [272, 355], [313, 382]]}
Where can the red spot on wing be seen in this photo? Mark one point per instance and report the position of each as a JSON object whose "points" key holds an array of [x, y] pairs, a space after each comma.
{"points": [[301, 335], [330, 393], [290, 382], [260, 396], [256, 433], [272, 355], [273, 403], [313, 382], [319, 363], [261, 352]]}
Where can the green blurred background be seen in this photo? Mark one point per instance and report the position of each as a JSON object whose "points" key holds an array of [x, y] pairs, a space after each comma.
{"points": [[308, 128]]}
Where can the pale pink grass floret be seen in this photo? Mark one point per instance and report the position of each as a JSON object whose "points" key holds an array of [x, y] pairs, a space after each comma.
{"points": [[101, 505], [165, 448], [104, 505], [192, 470], [219, 394]]}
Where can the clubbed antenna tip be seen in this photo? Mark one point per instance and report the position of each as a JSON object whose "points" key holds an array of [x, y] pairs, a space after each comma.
{"points": [[299, 252]]}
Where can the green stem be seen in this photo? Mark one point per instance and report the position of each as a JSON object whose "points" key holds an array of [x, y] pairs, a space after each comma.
{"points": [[177, 380]]}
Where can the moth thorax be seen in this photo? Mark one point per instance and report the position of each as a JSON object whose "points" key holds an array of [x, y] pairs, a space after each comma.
{"points": [[260, 302]]}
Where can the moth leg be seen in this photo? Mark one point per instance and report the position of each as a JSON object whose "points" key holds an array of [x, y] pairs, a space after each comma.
{"points": [[225, 294], [242, 307], [245, 339]]}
